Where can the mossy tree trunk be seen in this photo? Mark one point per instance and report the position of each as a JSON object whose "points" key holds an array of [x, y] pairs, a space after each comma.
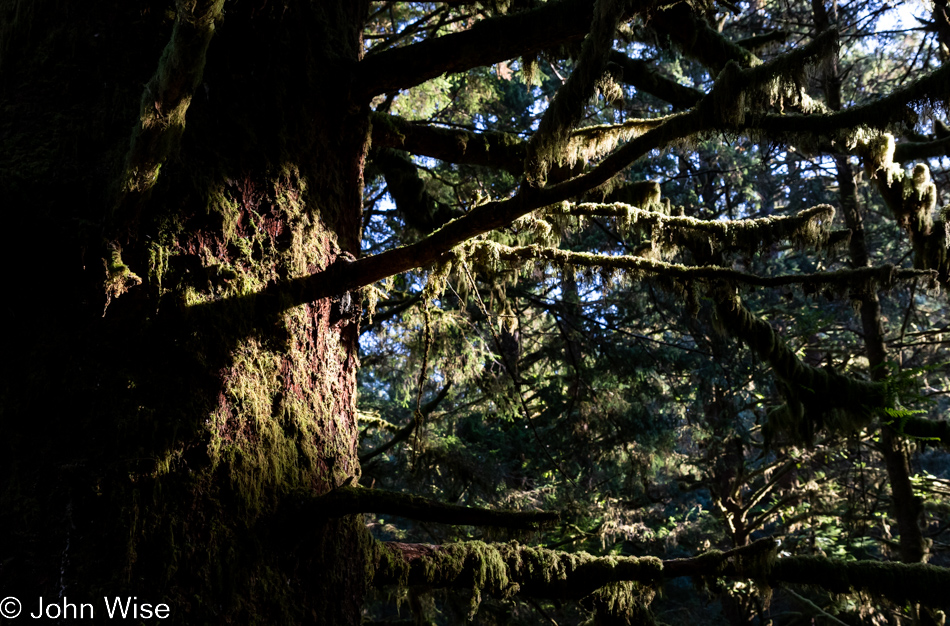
{"points": [[148, 451]]}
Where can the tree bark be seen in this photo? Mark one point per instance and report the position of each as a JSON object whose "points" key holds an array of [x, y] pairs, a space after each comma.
{"points": [[145, 448]]}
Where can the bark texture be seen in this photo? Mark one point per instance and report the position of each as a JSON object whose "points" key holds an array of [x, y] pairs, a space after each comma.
{"points": [[148, 438]]}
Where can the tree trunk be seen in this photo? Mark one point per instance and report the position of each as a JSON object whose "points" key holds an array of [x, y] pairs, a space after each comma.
{"points": [[148, 451]]}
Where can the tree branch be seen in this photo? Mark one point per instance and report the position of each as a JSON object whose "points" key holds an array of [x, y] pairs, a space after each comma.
{"points": [[878, 114], [491, 149], [351, 500], [546, 146], [922, 428], [640, 75], [487, 42], [345, 274], [815, 397], [693, 35], [417, 206], [503, 569], [756, 42], [168, 94], [403, 433], [920, 150], [806, 227], [899, 582], [537, 572], [708, 273]]}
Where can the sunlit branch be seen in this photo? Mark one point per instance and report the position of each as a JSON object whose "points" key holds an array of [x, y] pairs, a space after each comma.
{"points": [[547, 144], [537, 572], [720, 109], [499, 150], [878, 114], [347, 275], [806, 227]]}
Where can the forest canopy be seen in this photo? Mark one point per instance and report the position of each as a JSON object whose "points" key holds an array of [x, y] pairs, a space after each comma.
{"points": [[728, 327], [502, 311]]}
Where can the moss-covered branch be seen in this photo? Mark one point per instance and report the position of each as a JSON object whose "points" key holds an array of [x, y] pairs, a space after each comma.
{"points": [[844, 124], [756, 42], [350, 500], [815, 397], [898, 582], [693, 35], [346, 275], [920, 150], [740, 93], [499, 150], [912, 200], [808, 227], [734, 95], [168, 94], [502, 570], [547, 145], [922, 428]]}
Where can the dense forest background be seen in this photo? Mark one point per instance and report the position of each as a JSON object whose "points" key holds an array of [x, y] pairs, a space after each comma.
{"points": [[620, 397]]}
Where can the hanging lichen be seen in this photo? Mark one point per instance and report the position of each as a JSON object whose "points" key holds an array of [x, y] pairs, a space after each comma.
{"points": [[591, 142], [566, 111], [912, 199]]}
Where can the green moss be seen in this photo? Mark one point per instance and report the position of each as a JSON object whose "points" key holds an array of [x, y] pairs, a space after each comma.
{"points": [[119, 278]]}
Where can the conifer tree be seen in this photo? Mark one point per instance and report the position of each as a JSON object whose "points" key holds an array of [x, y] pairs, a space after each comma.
{"points": [[569, 237]]}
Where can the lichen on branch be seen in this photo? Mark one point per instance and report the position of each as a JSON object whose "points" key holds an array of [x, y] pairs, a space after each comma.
{"points": [[503, 569], [807, 228]]}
